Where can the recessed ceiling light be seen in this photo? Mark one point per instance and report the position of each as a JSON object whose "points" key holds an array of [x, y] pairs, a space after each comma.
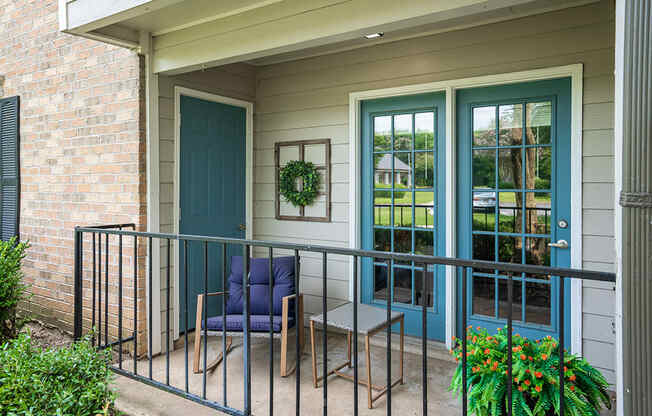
{"points": [[374, 35]]}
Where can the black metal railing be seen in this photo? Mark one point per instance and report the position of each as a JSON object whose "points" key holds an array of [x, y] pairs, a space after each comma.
{"points": [[120, 232]]}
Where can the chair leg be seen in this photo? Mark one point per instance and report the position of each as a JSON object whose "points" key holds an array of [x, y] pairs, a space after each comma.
{"points": [[211, 366], [366, 345], [314, 354], [348, 345], [284, 353], [198, 320]]}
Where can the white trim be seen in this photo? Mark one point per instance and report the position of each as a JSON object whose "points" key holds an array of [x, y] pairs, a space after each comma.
{"points": [[249, 171], [63, 15], [577, 94], [618, 186], [153, 220], [575, 72], [451, 217]]}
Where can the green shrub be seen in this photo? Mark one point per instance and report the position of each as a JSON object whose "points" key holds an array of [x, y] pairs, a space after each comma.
{"points": [[535, 371], [12, 288], [68, 381], [388, 193]]}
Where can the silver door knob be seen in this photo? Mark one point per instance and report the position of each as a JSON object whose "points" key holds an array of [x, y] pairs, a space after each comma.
{"points": [[559, 244]]}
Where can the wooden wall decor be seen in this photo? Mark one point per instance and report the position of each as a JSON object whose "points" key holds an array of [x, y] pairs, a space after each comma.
{"points": [[319, 153]]}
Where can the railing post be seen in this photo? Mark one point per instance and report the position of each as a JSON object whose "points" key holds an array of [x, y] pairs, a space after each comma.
{"points": [[246, 328], [78, 282]]}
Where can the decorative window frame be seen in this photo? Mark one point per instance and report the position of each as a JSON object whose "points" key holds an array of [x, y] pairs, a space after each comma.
{"points": [[324, 170]]}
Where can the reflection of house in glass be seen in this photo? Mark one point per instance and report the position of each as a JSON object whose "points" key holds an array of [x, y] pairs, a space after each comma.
{"points": [[383, 172]]}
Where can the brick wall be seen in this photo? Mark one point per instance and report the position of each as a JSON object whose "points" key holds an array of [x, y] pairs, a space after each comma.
{"points": [[82, 149]]}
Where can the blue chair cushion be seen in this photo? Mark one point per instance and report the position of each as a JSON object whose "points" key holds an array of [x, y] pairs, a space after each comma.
{"points": [[258, 323], [283, 271]]}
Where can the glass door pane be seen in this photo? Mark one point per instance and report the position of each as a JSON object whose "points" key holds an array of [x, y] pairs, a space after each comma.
{"points": [[511, 209], [405, 207]]}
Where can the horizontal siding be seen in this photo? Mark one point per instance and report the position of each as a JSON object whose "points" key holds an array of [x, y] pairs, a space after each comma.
{"points": [[308, 99]]}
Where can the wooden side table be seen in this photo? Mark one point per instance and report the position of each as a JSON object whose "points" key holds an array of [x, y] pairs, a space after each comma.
{"points": [[371, 320]]}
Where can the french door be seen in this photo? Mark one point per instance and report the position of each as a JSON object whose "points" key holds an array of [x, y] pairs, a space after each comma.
{"points": [[513, 190], [402, 204]]}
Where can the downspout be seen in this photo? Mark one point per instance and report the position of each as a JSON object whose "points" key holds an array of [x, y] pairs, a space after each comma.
{"points": [[633, 167]]}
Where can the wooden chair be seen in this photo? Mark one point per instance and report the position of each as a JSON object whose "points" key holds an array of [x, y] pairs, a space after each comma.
{"points": [[283, 312]]}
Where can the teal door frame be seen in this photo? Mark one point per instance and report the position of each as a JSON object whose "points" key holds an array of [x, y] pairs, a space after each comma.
{"points": [[558, 92], [429, 102], [216, 101]]}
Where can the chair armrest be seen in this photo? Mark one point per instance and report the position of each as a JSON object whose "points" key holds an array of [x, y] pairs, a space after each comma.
{"points": [[286, 305]]}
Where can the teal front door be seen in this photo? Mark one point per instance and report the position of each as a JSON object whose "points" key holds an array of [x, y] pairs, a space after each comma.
{"points": [[211, 195], [513, 199], [402, 206]]}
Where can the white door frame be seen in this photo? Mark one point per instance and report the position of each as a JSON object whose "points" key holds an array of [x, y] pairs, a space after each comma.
{"points": [[575, 72], [249, 170]]}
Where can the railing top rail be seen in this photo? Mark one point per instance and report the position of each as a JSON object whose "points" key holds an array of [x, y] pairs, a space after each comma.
{"points": [[418, 259]]}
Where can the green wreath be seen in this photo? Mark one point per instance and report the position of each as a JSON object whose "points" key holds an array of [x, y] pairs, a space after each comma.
{"points": [[288, 178]]}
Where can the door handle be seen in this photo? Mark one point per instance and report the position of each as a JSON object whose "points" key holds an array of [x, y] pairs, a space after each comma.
{"points": [[559, 244], [242, 227]]}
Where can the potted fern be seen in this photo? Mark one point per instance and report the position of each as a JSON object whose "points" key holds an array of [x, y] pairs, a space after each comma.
{"points": [[535, 383]]}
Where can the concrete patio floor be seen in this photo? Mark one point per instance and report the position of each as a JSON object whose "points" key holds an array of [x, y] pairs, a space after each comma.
{"points": [[138, 399]]}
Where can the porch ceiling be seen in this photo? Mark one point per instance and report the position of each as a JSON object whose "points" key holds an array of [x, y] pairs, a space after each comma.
{"points": [[195, 34]]}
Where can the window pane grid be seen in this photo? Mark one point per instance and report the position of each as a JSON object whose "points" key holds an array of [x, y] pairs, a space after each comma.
{"points": [[404, 203], [511, 205]]}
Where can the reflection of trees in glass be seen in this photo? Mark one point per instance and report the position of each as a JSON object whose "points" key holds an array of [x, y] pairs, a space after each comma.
{"points": [[484, 172], [424, 140], [382, 142], [537, 174], [424, 168]]}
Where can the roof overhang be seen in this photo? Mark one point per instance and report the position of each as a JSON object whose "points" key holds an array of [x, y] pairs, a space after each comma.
{"points": [[192, 34]]}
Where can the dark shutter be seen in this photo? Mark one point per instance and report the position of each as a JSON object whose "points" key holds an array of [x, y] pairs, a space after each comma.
{"points": [[9, 167]]}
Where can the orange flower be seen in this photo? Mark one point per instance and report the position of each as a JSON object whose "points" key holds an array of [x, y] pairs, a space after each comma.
{"points": [[475, 338], [527, 371], [495, 366], [538, 389], [544, 356], [523, 357], [572, 388], [527, 382], [565, 369], [530, 358], [486, 351], [538, 374], [515, 379], [572, 378], [520, 388], [489, 338]]}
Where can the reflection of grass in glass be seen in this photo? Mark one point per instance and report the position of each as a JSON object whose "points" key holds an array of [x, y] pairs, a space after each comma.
{"points": [[422, 214], [486, 222]]}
